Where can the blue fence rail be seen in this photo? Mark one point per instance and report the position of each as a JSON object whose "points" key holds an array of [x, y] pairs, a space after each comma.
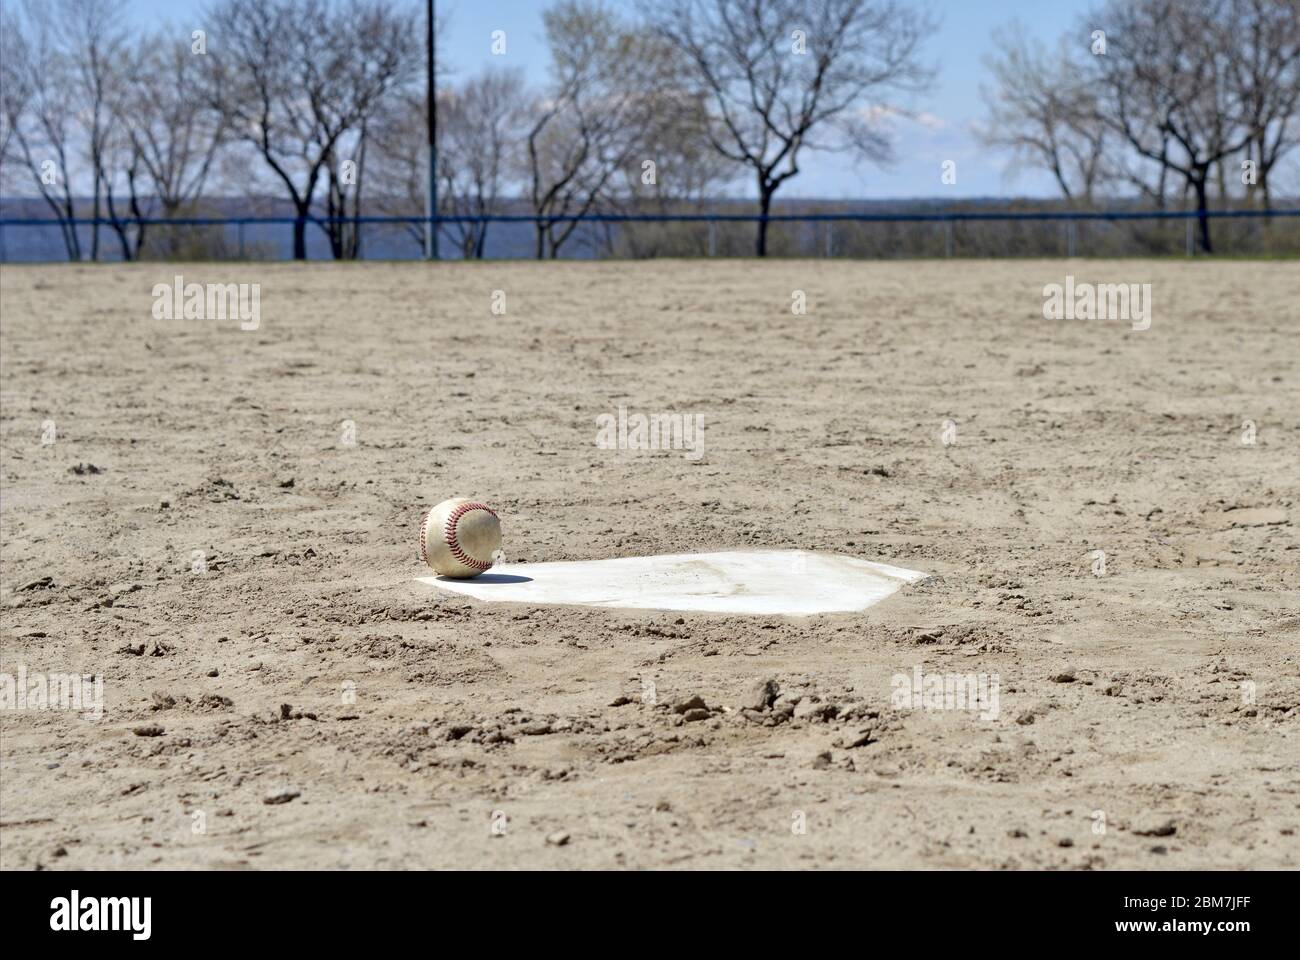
{"points": [[949, 219]]}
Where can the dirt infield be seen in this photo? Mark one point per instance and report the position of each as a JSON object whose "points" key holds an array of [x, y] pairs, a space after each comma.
{"points": [[222, 524]]}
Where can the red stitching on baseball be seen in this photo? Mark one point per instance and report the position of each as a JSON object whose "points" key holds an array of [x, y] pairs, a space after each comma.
{"points": [[450, 532], [424, 546]]}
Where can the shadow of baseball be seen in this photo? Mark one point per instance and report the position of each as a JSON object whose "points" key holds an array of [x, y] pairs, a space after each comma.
{"points": [[489, 578]]}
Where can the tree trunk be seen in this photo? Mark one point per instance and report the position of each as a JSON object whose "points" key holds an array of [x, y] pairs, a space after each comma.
{"points": [[1261, 175], [138, 213], [354, 241], [1251, 187], [336, 208], [300, 235], [765, 208], [71, 239], [123, 241], [94, 226], [1201, 209]]}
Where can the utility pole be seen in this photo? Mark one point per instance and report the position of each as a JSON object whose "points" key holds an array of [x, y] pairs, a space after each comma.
{"points": [[431, 203]]}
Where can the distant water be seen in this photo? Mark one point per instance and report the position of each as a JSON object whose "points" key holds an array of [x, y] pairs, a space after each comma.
{"points": [[379, 241]]}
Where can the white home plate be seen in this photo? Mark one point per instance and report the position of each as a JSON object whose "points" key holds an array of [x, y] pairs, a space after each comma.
{"points": [[793, 582]]}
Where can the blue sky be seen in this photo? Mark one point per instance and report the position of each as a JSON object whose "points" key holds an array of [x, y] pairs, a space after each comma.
{"points": [[963, 39]]}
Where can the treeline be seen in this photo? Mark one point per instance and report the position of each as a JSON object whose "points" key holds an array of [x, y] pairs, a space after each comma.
{"points": [[324, 101], [1171, 100], [657, 105]]}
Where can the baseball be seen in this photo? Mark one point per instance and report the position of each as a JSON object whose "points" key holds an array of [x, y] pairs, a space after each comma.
{"points": [[460, 537]]}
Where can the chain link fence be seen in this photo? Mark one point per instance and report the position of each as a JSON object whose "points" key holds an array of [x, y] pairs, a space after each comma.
{"points": [[1250, 233]]}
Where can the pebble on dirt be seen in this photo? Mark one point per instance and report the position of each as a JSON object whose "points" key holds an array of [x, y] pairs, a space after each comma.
{"points": [[760, 696]]}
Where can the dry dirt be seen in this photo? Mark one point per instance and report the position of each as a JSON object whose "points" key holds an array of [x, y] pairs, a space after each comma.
{"points": [[305, 703]]}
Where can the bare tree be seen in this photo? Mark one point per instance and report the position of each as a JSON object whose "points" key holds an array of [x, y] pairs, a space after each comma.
{"points": [[1183, 89], [1043, 112], [604, 72], [345, 166], [1149, 176], [294, 78], [14, 94], [673, 165], [1166, 88], [121, 167], [41, 113], [397, 159], [96, 47], [1264, 39], [483, 124], [673, 158], [785, 75], [172, 135], [399, 164], [62, 72]]}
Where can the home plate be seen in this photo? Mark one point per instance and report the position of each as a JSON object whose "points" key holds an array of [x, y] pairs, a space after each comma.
{"points": [[791, 582]]}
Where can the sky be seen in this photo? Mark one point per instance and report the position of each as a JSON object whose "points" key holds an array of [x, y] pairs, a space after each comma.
{"points": [[946, 114]]}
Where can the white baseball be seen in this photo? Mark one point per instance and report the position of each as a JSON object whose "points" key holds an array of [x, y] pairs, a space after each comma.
{"points": [[460, 537]]}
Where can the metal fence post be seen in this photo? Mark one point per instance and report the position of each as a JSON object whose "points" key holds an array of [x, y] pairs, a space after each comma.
{"points": [[830, 238], [1071, 229], [948, 237], [241, 239], [1191, 249], [713, 237]]}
